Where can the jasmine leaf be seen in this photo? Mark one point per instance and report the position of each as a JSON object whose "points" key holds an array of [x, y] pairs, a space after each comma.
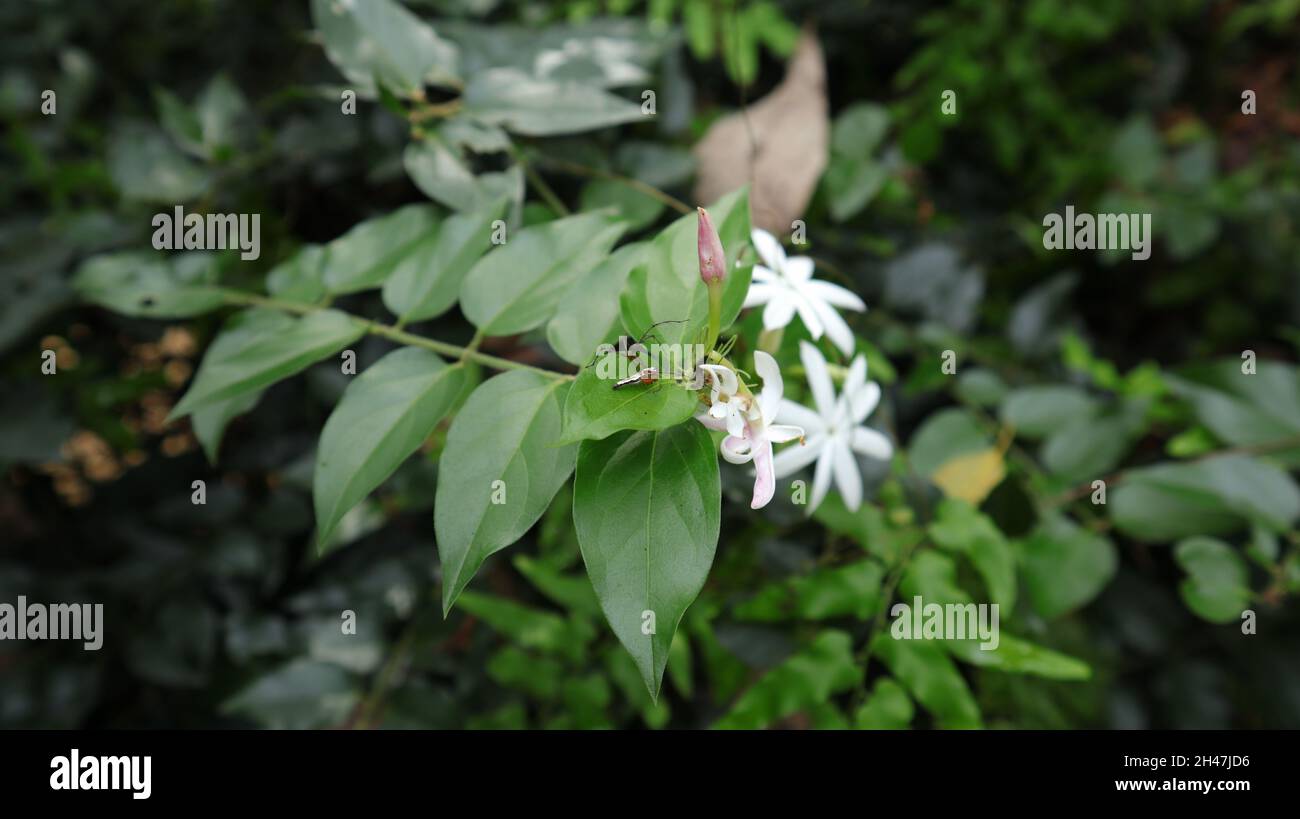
{"points": [[518, 286], [533, 106], [1217, 586], [380, 40], [647, 509], [371, 252], [499, 449], [263, 348], [427, 284], [384, 416], [930, 677], [587, 315], [150, 286], [594, 409], [887, 707], [1065, 566]]}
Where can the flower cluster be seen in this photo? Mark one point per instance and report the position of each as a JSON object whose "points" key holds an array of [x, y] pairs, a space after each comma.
{"points": [[833, 434]]}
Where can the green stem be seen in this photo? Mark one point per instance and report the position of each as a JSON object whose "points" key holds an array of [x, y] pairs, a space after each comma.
{"points": [[539, 183], [637, 185], [469, 353]]}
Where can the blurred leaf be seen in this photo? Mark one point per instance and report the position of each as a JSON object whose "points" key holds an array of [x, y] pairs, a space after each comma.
{"points": [[1038, 411], [429, 283], [587, 315], [972, 476], [1065, 566], [531, 106], [886, 708], [930, 676], [301, 694], [842, 591], [1211, 496], [381, 41], [1217, 586], [960, 528], [806, 679], [143, 284], [390, 245], [1014, 655]]}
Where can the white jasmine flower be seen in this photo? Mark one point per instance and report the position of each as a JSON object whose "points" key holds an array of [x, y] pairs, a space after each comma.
{"points": [[835, 430], [786, 286], [757, 432]]}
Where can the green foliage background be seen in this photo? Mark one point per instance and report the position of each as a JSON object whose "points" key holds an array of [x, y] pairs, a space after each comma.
{"points": [[1087, 364]]}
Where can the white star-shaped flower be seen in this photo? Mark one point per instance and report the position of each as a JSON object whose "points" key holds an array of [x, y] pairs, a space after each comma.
{"points": [[834, 432], [786, 286]]}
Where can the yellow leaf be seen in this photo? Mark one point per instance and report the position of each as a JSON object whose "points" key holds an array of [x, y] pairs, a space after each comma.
{"points": [[971, 477]]}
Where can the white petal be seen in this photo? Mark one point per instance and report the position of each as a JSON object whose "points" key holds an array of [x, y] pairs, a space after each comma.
{"points": [[798, 269], [723, 378], [864, 401], [867, 441], [769, 249], [836, 328], [735, 420], [736, 450], [773, 387], [834, 294], [819, 380], [762, 275], [821, 478], [793, 458], [856, 377], [808, 314], [782, 433], [846, 474], [711, 423], [791, 413], [759, 293], [779, 311], [764, 478]]}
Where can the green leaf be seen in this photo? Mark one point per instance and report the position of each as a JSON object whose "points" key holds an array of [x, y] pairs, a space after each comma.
{"points": [[809, 677], [1065, 566], [384, 416], [594, 409], [429, 284], [887, 708], [587, 315], [210, 422], [1217, 586], [1037, 412], [442, 174], [669, 288], [1210, 496], [960, 528], [1089, 447], [368, 254], [1017, 656], [542, 107], [262, 349], [572, 591], [146, 167], [852, 177], [518, 286], [932, 576], [299, 695], [150, 286], [631, 205], [841, 591], [498, 449], [929, 675], [944, 436], [1245, 410], [300, 277], [381, 41], [647, 508], [529, 627]]}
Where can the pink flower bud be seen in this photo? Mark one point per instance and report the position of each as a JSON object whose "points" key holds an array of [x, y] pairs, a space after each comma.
{"points": [[713, 264]]}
